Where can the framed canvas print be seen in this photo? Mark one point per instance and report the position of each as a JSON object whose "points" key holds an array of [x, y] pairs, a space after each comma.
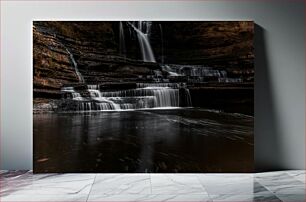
{"points": [[143, 96]]}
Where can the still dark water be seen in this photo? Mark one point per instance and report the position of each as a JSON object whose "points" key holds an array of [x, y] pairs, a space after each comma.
{"points": [[176, 140]]}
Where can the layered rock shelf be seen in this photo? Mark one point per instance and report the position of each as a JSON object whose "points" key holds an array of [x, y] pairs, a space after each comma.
{"points": [[213, 59]]}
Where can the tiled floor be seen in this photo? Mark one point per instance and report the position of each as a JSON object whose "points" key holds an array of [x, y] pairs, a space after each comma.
{"points": [[273, 186]]}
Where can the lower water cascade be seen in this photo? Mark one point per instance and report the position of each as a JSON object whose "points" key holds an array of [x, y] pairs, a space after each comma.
{"points": [[144, 96]]}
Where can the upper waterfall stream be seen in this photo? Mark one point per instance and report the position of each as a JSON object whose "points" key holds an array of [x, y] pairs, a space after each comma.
{"points": [[75, 65], [143, 29]]}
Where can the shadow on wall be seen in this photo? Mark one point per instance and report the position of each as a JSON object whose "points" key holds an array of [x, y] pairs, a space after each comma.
{"points": [[268, 151]]}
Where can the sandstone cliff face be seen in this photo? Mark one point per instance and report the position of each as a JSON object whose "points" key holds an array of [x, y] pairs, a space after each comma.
{"points": [[227, 45], [224, 44], [95, 45], [95, 48], [52, 66]]}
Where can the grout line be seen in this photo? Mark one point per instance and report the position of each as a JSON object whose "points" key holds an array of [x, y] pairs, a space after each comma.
{"points": [[209, 197], [266, 187], [91, 187], [270, 192], [151, 182]]}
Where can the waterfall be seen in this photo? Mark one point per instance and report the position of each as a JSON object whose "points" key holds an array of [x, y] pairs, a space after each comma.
{"points": [[148, 97], [122, 47], [170, 85], [162, 43], [194, 71], [103, 103], [198, 73], [188, 97], [144, 96], [74, 95], [75, 65], [230, 80], [143, 31]]}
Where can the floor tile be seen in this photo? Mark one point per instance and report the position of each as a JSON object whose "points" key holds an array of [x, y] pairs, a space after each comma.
{"points": [[245, 198], [14, 180], [183, 198], [42, 198], [265, 198], [176, 184], [149, 198], [270, 173], [286, 186], [281, 183], [48, 184], [260, 189], [297, 174], [121, 184], [261, 193], [232, 198], [291, 197], [223, 184]]}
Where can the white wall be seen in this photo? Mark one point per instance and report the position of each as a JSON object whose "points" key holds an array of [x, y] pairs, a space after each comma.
{"points": [[280, 89]]}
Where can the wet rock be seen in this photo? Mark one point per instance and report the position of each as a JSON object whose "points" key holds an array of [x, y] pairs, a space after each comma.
{"points": [[44, 105], [95, 48]]}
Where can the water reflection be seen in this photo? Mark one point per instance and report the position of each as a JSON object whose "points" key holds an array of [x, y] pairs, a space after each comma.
{"points": [[180, 140]]}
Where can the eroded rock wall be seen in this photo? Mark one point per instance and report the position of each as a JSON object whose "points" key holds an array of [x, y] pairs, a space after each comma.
{"points": [[95, 48]]}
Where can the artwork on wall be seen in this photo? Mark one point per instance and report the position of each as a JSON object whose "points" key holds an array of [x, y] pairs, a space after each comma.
{"points": [[143, 96]]}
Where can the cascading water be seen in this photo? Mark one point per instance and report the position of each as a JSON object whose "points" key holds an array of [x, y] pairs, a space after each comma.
{"points": [[75, 65], [74, 95], [122, 47], [143, 31], [193, 70], [188, 97], [102, 103], [162, 43], [198, 73], [169, 85], [144, 96]]}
